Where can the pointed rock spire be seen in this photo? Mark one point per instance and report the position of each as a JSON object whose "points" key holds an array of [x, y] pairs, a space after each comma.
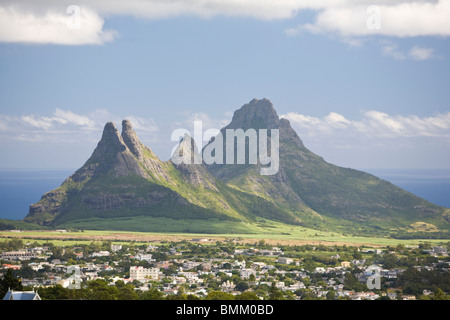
{"points": [[131, 139], [110, 144], [258, 113], [188, 161]]}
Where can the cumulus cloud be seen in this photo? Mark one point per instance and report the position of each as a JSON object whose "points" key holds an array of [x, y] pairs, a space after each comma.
{"points": [[47, 21], [376, 139], [373, 125], [421, 53], [74, 26], [143, 124], [417, 53], [392, 50], [395, 18], [67, 126]]}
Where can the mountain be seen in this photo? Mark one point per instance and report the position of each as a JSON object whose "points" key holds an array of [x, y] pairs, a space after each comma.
{"points": [[124, 179], [321, 194]]}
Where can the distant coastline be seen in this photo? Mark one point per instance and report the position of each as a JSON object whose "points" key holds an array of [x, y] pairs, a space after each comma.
{"points": [[21, 187]]}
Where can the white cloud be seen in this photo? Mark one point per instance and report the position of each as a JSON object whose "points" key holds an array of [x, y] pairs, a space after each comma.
{"points": [[395, 18], [420, 53], [143, 124], [38, 122], [417, 53], [337, 120], [377, 139], [53, 26], [392, 50], [47, 21], [374, 125], [67, 126], [66, 117]]}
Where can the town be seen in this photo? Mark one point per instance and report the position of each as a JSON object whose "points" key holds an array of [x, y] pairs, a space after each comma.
{"points": [[221, 270]]}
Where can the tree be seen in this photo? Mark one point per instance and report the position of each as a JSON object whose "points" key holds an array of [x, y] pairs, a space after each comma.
{"points": [[440, 295], [56, 292], [126, 291], [219, 295], [57, 252], [9, 281], [247, 296], [152, 294], [252, 279], [242, 286], [275, 293], [331, 295], [100, 290]]}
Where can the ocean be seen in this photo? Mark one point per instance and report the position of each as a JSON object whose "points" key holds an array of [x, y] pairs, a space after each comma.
{"points": [[20, 188]]}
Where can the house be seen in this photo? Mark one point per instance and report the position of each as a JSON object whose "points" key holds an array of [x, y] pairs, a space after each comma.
{"points": [[319, 270], [100, 254], [246, 273], [140, 273], [12, 266], [206, 266], [21, 295], [191, 277], [228, 286], [359, 262], [345, 264], [239, 264], [116, 247], [144, 257], [190, 265], [439, 251], [285, 260], [151, 248], [17, 255]]}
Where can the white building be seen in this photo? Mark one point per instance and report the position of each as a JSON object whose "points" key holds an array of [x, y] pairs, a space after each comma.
{"points": [[17, 255], [21, 295], [101, 254], [116, 247], [141, 273], [246, 273], [285, 260], [144, 257], [228, 286]]}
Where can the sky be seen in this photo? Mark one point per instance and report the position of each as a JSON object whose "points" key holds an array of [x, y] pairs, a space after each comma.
{"points": [[364, 83]]}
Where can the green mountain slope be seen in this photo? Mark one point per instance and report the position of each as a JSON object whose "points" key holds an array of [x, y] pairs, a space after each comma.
{"points": [[125, 178], [318, 193]]}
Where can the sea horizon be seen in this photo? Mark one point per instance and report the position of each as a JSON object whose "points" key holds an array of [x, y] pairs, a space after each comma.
{"points": [[19, 187]]}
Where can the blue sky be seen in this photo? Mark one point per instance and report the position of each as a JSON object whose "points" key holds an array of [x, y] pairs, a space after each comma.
{"points": [[359, 97]]}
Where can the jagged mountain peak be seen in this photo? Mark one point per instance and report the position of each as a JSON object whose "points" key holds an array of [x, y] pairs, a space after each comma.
{"points": [[258, 113], [110, 144], [131, 139]]}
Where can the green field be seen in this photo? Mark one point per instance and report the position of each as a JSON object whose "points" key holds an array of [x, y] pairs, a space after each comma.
{"points": [[269, 231]]}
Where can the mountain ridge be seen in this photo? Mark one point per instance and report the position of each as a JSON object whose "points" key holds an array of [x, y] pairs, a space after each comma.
{"points": [[123, 177]]}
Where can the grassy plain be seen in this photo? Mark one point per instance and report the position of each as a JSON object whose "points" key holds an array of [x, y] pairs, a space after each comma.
{"points": [[273, 233]]}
